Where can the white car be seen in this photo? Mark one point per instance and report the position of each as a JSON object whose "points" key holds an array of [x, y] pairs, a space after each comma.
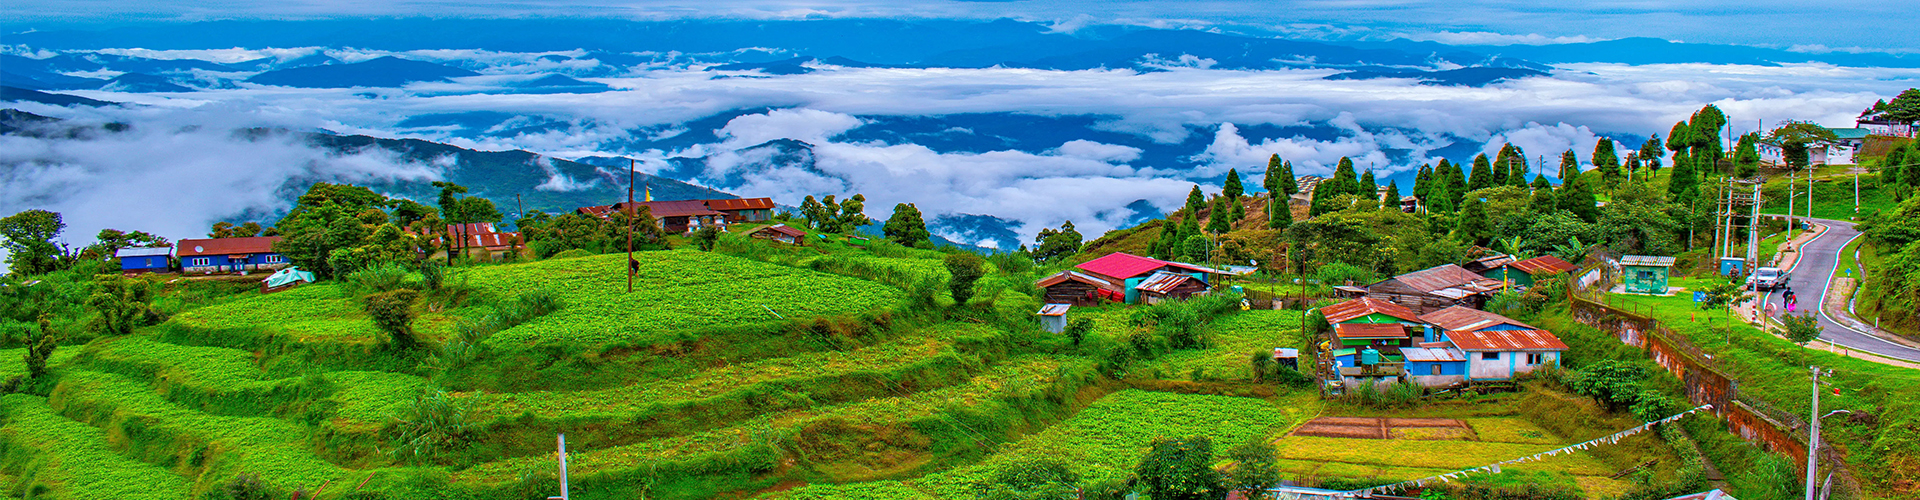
{"points": [[1766, 278]]}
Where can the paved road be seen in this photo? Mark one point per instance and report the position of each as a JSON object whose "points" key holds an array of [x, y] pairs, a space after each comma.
{"points": [[1810, 280]]}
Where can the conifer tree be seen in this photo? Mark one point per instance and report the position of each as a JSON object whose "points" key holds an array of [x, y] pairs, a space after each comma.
{"points": [[1423, 182], [1190, 228], [1279, 213], [1650, 153], [1684, 178], [1474, 226], [1606, 161], [1392, 199], [1482, 175], [1346, 176], [1542, 201], [1517, 168], [1195, 201], [1217, 217], [1271, 179], [1369, 188], [1453, 183], [1746, 156], [1239, 211], [907, 227], [1283, 182], [1577, 197], [1706, 148], [1164, 248], [1232, 188]]}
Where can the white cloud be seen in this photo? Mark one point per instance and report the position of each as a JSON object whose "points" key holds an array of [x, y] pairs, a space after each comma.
{"points": [[557, 180], [806, 125], [1081, 148]]}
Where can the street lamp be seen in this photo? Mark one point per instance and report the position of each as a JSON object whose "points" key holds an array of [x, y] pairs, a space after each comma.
{"points": [[1813, 431]]}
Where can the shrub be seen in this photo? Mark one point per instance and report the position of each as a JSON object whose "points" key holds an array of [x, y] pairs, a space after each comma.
{"points": [[965, 268], [1078, 329], [1181, 469], [705, 238], [571, 253], [392, 313], [431, 424], [377, 279], [1043, 478], [246, 487], [433, 275]]}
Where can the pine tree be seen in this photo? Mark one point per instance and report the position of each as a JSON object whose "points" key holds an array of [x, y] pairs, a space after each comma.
{"points": [[907, 227], [1285, 181], [1576, 197], [1169, 240], [1195, 201], [1474, 226], [1679, 138], [1238, 213], [1423, 182], [1650, 153], [1217, 216], [1190, 228], [1271, 179], [1606, 161], [1685, 177], [1453, 183], [1706, 147], [1517, 168], [1346, 176], [1502, 162], [1482, 176], [1279, 213], [1232, 188], [1746, 156], [1392, 199], [1542, 201], [1369, 188]]}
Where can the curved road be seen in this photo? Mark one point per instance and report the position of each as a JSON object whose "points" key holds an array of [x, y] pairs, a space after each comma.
{"points": [[1810, 280]]}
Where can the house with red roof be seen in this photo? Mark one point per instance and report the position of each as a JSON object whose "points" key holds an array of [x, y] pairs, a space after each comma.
{"points": [[1124, 277], [680, 216], [1375, 341], [1523, 273], [1436, 288], [1496, 347]]}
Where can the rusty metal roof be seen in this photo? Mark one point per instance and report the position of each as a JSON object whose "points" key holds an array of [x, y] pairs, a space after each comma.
{"points": [[1054, 309], [741, 204], [1447, 276], [1463, 318], [1163, 282], [1492, 262], [782, 229], [1370, 330], [682, 208], [227, 246], [1545, 265], [1507, 340], [1121, 265], [1363, 306], [1064, 276]]}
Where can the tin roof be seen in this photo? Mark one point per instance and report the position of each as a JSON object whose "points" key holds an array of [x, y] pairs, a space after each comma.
{"points": [[1507, 340], [227, 246], [1054, 309], [143, 252], [1850, 133], [741, 204], [1433, 354], [1492, 262], [1063, 276], [1448, 276], [492, 240], [1163, 282], [1646, 260], [1370, 330], [1363, 306], [1121, 265], [1543, 265], [681, 208], [1463, 318], [783, 229]]}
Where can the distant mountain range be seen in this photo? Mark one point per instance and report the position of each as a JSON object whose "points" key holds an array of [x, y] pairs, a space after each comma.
{"points": [[381, 72]]}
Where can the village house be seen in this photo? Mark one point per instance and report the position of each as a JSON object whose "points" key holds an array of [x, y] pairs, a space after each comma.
{"points": [[1645, 273], [781, 233], [1482, 265], [1119, 276], [1523, 273], [145, 260], [1436, 288], [222, 255], [1070, 287], [1496, 347], [681, 216]]}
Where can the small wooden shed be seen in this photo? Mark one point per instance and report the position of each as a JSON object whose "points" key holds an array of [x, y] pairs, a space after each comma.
{"points": [[1070, 287], [1053, 317], [1645, 273], [781, 233]]}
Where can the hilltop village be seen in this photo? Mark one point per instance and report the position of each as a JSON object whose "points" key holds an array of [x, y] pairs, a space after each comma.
{"points": [[1621, 328]]}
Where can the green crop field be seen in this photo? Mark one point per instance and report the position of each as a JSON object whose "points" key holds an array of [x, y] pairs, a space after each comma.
{"points": [[675, 293]]}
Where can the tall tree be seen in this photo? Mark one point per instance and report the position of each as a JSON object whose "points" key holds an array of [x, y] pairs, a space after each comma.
{"points": [[1706, 126], [1232, 188], [1283, 181], [1542, 201], [1392, 198], [853, 214], [1606, 161], [1452, 187], [814, 212], [1279, 213], [1423, 182], [1346, 176], [1569, 167], [1052, 245], [1369, 188], [1180, 469], [1903, 109], [1577, 197], [1650, 152], [1475, 226], [907, 227], [30, 243], [1746, 156], [1482, 175], [1195, 201], [1217, 222], [1683, 179]]}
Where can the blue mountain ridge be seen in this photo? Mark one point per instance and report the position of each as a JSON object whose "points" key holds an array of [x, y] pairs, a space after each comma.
{"points": [[381, 72]]}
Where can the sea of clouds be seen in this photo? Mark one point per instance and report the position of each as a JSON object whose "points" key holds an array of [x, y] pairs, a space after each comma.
{"points": [[182, 168]]}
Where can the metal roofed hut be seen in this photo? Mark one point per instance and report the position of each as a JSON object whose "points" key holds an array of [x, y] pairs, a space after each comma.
{"points": [[781, 233], [1164, 285], [1070, 287], [1645, 273], [1436, 288], [1125, 272], [1523, 273], [1053, 317], [145, 260]]}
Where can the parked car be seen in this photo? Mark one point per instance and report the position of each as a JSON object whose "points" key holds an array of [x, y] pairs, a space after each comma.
{"points": [[1766, 278]]}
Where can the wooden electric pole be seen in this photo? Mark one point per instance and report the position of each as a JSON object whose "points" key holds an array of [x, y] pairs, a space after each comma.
{"points": [[632, 265]]}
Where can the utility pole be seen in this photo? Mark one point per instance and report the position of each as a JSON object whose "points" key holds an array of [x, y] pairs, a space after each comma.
{"points": [[1813, 435], [562, 456], [632, 266]]}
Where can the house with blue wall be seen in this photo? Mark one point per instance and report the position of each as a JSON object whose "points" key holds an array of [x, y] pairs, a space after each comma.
{"points": [[1495, 347], [145, 260], [230, 255]]}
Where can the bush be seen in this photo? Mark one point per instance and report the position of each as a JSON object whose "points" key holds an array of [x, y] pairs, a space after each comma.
{"points": [[433, 275], [392, 313], [705, 237], [965, 268], [432, 424], [572, 253], [377, 279]]}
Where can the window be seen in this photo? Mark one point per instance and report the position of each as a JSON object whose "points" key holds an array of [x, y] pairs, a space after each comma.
{"points": [[1489, 355], [276, 259], [202, 262], [1533, 358], [1436, 369]]}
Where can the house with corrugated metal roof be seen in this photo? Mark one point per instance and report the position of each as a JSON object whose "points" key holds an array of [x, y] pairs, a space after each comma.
{"points": [[1436, 288], [1124, 273], [226, 255], [1070, 287], [680, 216], [1522, 273], [1162, 286], [145, 260], [781, 233], [1495, 347]]}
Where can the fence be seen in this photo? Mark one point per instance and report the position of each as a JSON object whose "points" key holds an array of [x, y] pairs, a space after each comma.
{"points": [[1706, 382]]}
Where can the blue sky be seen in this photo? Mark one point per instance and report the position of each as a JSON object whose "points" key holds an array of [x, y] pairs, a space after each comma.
{"points": [[1830, 25]]}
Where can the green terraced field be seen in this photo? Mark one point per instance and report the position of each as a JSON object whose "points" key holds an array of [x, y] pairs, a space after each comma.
{"points": [[74, 459], [677, 292]]}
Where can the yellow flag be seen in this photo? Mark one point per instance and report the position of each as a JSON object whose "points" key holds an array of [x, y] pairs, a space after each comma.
{"points": [[649, 192]]}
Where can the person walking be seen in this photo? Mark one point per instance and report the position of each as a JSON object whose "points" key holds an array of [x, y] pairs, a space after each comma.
{"points": [[1791, 300]]}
